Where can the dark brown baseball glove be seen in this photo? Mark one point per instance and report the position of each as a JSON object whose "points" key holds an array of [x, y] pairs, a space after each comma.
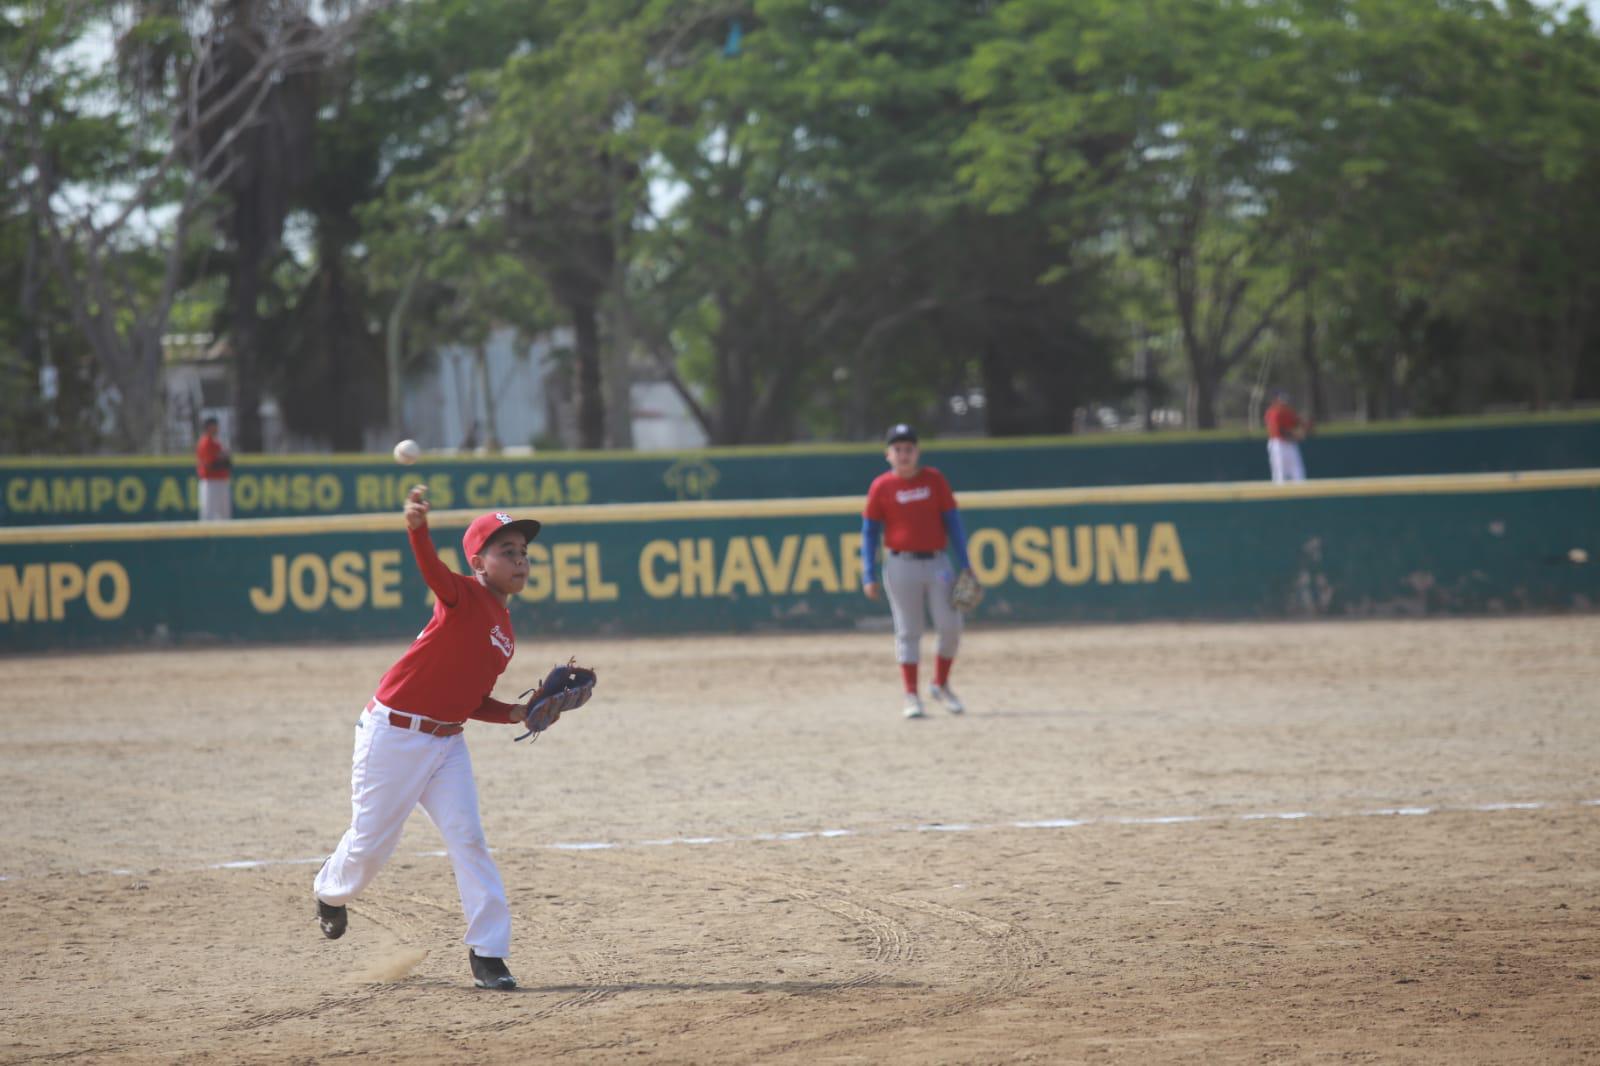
{"points": [[565, 688]]}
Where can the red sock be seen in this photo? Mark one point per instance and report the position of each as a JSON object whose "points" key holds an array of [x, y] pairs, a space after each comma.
{"points": [[908, 672], [941, 671]]}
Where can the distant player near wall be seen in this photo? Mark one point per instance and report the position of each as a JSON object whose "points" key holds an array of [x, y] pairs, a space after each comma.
{"points": [[913, 511], [1285, 430], [215, 467]]}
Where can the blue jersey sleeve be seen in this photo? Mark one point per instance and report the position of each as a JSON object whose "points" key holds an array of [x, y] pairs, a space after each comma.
{"points": [[871, 534], [958, 537]]}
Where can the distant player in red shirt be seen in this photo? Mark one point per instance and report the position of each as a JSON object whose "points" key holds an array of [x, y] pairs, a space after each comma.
{"points": [[1285, 431], [215, 467], [914, 512], [409, 748]]}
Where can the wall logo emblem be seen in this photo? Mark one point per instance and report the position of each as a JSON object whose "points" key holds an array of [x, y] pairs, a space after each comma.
{"points": [[691, 479]]}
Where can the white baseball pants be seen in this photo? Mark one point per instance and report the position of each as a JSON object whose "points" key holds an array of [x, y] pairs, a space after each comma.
{"points": [[216, 499], [394, 770], [1283, 456], [917, 587]]}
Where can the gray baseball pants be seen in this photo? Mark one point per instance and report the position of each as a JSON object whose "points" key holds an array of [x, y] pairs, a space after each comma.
{"points": [[916, 588]]}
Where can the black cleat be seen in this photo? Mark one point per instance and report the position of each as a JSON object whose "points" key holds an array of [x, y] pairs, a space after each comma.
{"points": [[490, 972], [332, 919]]}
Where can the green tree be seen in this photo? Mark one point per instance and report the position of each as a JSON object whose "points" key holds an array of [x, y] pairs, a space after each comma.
{"points": [[258, 144], [91, 178], [357, 313], [48, 375], [1455, 262], [426, 92], [328, 373], [123, 164], [820, 269], [560, 135]]}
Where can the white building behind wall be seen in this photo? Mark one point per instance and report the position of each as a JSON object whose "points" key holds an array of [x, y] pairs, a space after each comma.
{"points": [[196, 379], [528, 401], [445, 408]]}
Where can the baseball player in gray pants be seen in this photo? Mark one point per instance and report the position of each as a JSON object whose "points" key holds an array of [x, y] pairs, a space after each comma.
{"points": [[913, 510]]}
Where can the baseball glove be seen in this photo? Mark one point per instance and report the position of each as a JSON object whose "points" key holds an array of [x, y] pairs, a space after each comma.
{"points": [[965, 592], [565, 688]]}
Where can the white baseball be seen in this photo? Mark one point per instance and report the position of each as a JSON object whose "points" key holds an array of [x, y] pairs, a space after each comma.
{"points": [[407, 452], [1578, 555]]}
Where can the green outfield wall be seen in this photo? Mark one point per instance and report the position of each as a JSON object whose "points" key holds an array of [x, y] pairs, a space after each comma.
{"points": [[1403, 546], [56, 492]]}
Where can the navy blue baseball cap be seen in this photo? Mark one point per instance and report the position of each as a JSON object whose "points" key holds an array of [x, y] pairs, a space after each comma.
{"points": [[901, 431]]}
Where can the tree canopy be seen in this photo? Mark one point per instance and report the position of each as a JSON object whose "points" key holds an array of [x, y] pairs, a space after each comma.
{"points": [[811, 219]]}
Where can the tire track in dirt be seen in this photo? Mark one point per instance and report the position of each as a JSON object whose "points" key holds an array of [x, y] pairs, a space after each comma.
{"points": [[413, 917], [599, 968], [1019, 952], [891, 942], [1019, 960], [400, 916], [288, 1014], [62, 1056], [391, 914]]}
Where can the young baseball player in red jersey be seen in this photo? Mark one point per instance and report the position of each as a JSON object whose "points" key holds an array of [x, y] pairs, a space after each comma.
{"points": [[409, 748], [214, 466], [912, 508], [1285, 430]]}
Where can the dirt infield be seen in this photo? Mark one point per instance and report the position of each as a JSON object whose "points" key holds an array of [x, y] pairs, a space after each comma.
{"points": [[1145, 844]]}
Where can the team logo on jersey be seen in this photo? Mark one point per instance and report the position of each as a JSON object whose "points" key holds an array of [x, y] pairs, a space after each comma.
{"points": [[501, 641], [921, 492]]}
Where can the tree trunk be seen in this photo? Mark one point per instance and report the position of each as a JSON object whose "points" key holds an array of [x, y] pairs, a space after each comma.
{"points": [[772, 405], [1308, 355], [619, 368], [141, 412], [491, 431], [33, 350], [1536, 353], [1378, 389], [341, 340], [1001, 401], [1201, 410], [1391, 384], [591, 401], [1572, 333], [858, 391], [394, 350], [618, 379], [244, 335], [733, 392], [1141, 373]]}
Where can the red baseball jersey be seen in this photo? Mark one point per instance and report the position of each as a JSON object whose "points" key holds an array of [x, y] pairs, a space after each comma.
{"points": [[450, 669], [911, 509], [206, 455], [1281, 421]]}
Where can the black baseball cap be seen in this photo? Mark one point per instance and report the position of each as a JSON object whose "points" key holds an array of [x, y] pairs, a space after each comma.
{"points": [[901, 431]]}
